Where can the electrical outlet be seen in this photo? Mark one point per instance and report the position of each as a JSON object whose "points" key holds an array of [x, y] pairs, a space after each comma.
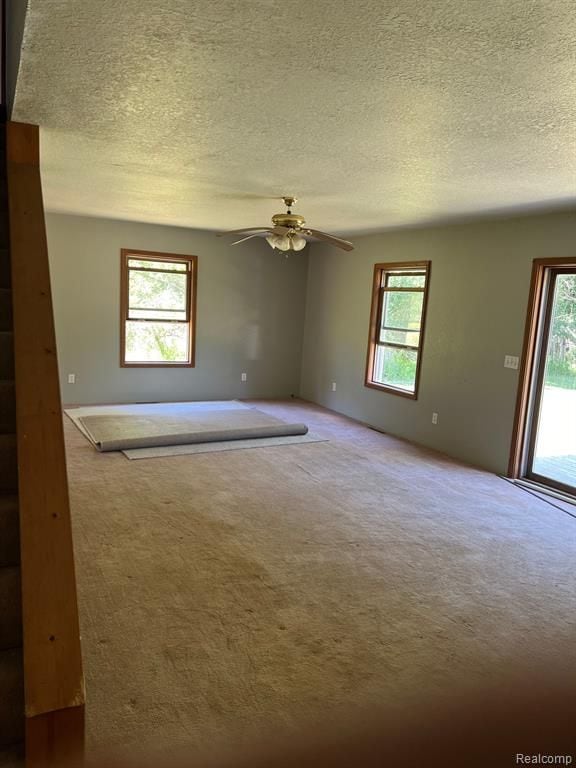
{"points": [[244, 377], [434, 418], [71, 378], [510, 361], [333, 386]]}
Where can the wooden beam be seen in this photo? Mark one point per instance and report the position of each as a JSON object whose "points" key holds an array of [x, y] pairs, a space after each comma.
{"points": [[55, 739], [53, 678]]}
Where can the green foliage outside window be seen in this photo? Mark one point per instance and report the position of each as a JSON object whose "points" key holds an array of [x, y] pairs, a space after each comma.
{"points": [[561, 358], [157, 297], [401, 325]]}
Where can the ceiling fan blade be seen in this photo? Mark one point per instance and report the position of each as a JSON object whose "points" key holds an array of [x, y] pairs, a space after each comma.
{"points": [[346, 245], [246, 229], [248, 237]]}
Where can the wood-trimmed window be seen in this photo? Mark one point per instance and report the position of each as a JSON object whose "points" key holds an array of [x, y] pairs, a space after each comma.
{"points": [[157, 309], [399, 296]]}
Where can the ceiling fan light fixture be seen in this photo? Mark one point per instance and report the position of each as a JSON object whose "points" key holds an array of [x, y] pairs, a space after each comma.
{"points": [[298, 242], [282, 243], [287, 232], [271, 240]]}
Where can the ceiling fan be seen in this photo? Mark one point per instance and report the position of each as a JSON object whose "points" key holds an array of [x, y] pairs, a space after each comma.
{"points": [[288, 232]]}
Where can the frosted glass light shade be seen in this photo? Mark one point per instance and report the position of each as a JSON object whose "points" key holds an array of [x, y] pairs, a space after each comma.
{"points": [[271, 240], [283, 243], [298, 242], [286, 243]]}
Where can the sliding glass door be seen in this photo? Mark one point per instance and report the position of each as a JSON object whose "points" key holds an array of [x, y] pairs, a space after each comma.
{"points": [[550, 445]]}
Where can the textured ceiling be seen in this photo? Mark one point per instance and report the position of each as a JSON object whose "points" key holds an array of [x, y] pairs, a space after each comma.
{"points": [[374, 113]]}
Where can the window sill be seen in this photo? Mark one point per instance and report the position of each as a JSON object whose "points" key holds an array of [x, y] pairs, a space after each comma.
{"points": [[391, 390], [157, 365]]}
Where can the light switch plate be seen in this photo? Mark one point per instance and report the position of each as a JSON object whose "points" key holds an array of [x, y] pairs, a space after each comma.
{"points": [[510, 361]]}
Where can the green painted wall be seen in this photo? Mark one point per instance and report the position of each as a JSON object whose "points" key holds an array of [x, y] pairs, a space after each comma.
{"points": [[250, 314], [255, 308], [480, 277]]}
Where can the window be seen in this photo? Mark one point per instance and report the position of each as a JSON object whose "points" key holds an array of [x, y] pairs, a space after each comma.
{"points": [[397, 327], [158, 308]]}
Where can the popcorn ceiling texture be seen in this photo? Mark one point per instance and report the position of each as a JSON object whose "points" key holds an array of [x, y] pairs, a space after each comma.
{"points": [[374, 113]]}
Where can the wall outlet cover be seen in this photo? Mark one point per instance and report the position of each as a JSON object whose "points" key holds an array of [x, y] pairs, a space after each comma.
{"points": [[511, 361]]}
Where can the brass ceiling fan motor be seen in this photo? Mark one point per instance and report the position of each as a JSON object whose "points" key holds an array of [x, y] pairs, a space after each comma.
{"points": [[288, 232], [288, 219]]}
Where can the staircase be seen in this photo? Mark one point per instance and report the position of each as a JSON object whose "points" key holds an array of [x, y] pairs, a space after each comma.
{"points": [[11, 670]]}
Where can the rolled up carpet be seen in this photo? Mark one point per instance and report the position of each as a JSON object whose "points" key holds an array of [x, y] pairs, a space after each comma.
{"points": [[204, 436]]}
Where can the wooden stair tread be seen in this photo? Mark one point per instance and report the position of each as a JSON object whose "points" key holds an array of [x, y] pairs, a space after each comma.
{"points": [[9, 530], [5, 309], [12, 757], [8, 464], [12, 699], [6, 355], [10, 608], [5, 272], [7, 406]]}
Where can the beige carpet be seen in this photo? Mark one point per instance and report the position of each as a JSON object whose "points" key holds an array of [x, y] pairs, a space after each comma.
{"points": [[228, 595]]}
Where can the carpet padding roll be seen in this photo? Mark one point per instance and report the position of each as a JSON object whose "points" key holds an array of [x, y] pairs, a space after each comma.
{"points": [[177, 424], [206, 436]]}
